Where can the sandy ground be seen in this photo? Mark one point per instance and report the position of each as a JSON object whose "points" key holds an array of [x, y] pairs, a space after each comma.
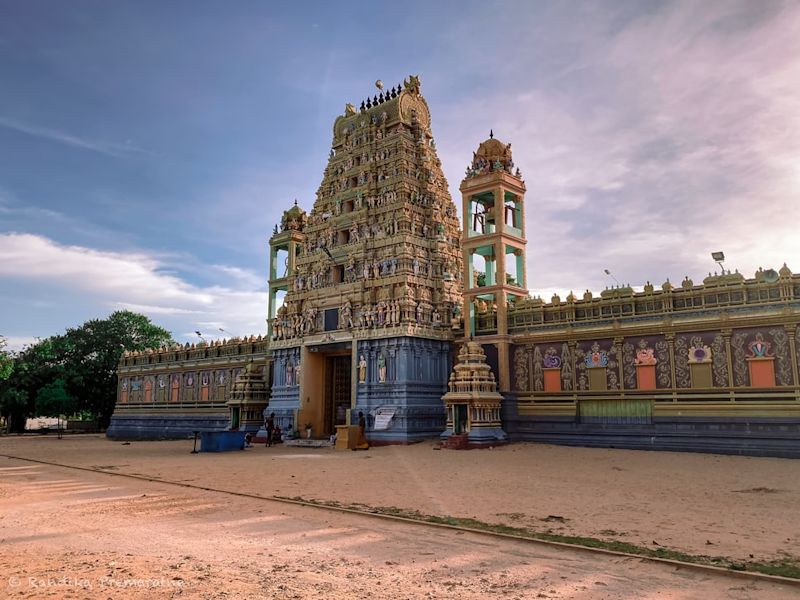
{"points": [[67, 533]]}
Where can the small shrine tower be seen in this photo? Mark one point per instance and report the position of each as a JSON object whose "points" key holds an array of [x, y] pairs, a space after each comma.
{"points": [[473, 402], [493, 241], [248, 399]]}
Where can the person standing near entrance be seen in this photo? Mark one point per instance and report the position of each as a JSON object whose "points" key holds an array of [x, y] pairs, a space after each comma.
{"points": [[362, 437], [269, 425]]}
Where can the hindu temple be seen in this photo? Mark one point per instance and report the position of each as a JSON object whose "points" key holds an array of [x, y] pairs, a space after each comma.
{"points": [[388, 299]]}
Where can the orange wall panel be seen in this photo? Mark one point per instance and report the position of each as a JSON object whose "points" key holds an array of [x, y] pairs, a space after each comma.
{"points": [[762, 372], [552, 380], [646, 377]]}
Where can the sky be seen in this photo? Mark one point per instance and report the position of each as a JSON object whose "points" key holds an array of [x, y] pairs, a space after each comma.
{"points": [[147, 148]]}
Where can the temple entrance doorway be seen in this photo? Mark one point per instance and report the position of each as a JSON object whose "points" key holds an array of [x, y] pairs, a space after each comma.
{"points": [[337, 390], [326, 387]]}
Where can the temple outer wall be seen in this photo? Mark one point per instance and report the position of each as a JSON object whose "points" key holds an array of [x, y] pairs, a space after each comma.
{"points": [[170, 394], [719, 433], [709, 381]]}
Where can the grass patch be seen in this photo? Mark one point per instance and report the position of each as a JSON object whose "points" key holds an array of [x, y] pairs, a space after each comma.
{"points": [[784, 567]]}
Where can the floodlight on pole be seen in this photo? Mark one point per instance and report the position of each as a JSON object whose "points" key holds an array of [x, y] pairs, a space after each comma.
{"points": [[719, 257], [200, 335], [610, 274]]}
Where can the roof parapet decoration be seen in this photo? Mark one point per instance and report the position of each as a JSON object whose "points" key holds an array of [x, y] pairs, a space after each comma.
{"points": [[727, 291]]}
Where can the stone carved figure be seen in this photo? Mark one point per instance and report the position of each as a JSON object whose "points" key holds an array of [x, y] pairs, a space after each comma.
{"points": [[289, 373], [347, 315]]}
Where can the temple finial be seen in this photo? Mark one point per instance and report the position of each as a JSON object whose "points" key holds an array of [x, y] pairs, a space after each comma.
{"points": [[491, 134]]}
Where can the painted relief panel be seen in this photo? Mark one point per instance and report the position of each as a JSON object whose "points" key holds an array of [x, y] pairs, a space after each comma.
{"points": [[287, 368], [205, 386], [175, 387], [704, 354], [136, 389], [542, 367], [761, 344], [189, 387], [646, 355], [595, 354], [222, 383], [161, 388], [521, 368]]}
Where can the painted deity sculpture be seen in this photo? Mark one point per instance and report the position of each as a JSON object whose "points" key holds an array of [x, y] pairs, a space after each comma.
{"points": [[381, 368], [362, 369]]}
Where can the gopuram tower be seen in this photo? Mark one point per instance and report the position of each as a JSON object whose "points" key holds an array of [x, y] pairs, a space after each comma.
{"points": [[372, 280]]}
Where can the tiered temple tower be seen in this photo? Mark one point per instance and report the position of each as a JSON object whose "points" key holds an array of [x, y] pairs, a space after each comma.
{"points": [[473, 402], [493, 242], [373, 284], [248, 398]]}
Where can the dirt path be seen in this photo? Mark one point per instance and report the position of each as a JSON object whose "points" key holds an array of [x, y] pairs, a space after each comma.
{"points": [[739, 507], [74, 534]]}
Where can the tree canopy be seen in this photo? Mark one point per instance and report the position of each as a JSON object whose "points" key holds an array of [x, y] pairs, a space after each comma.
{"points": [[6, 361], [82, 363], [53, 400]]}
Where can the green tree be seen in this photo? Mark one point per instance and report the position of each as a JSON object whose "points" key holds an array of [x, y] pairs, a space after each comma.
{"points": [[54, 400], [92, 353], [14, 408], [6, 361], [32, 368], [85, 359]]}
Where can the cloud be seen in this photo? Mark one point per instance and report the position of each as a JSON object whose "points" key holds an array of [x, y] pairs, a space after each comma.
{"points": [[663, 136], [67, 139], [136, 281], [17, 343]]}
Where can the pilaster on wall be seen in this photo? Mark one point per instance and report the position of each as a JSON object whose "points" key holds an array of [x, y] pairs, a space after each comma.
{"points": [[790, 333]]}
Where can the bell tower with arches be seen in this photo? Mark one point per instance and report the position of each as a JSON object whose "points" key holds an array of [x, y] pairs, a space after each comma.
{"points": [[493, 241]]}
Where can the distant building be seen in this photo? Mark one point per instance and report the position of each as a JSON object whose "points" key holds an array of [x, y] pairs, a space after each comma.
{"points": [[374, 289]]}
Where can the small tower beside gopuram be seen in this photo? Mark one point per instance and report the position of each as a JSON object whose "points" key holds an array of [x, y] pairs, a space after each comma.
{"points": [[285, 246], [493, 242], [248, 399], [473, 402]]}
